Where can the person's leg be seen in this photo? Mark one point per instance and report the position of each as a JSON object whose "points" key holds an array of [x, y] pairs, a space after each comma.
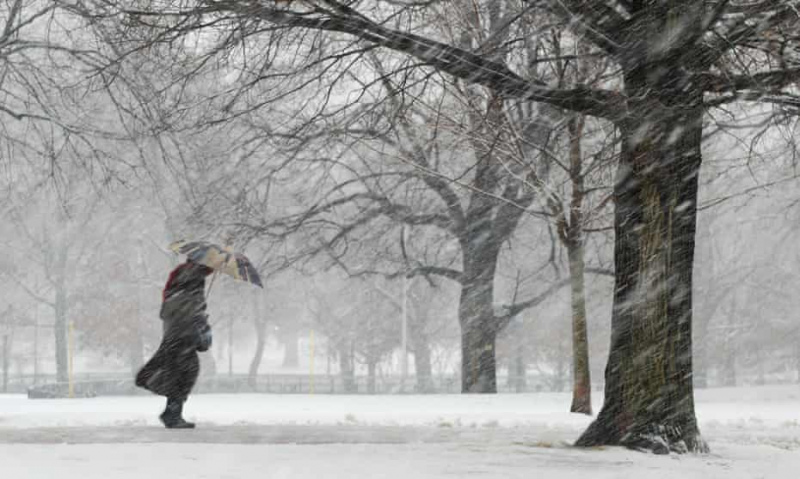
{"points": [[172, 417]]}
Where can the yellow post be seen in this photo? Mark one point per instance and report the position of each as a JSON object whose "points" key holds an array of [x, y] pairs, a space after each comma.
{"points": [[71, 354], [311, 366]]}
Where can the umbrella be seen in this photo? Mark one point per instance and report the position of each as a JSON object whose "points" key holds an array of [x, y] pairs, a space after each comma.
{"points": [[219, 258]]}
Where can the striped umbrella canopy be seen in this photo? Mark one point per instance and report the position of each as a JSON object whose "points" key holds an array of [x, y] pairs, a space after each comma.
{"points": [[219, 258]]}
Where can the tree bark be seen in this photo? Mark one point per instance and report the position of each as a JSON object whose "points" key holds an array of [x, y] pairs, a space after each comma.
{"points": [[487, 225], [478, 325], [649, 392], [581, 375], [649, 399]]}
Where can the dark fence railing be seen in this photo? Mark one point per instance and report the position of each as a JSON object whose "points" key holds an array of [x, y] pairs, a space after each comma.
{"points": [[116, 385]]}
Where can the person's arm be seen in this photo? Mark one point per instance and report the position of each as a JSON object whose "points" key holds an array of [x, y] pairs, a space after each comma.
{"points": [[204, 337]]}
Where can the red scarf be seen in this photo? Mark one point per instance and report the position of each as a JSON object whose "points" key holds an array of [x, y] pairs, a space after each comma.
{"points": [[172, 275], [175, 272]]}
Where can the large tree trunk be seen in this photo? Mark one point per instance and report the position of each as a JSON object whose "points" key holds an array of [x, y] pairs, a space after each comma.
{"points": [[478, 325], [478, 374], [487, 224], [649, 399]]}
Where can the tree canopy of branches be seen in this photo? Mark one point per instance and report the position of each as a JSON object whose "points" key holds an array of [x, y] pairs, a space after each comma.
{"points": [[674, 61]]}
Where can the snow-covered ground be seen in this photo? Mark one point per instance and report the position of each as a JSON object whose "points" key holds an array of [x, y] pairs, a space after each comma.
{"points": [[753, 433]]}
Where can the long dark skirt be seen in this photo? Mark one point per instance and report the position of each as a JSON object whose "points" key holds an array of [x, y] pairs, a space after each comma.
{"points": [[172, 371]]}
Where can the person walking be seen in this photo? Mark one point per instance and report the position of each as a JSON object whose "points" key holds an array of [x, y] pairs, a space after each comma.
{"points": [[173, 369]]}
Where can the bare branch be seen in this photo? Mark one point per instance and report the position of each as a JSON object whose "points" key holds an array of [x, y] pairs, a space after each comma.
{"points": [[457, 62]]}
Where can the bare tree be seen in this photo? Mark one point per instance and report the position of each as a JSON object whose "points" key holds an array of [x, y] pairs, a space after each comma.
{"points": [[53, 152], [115, 289], [576, 204], [354, 318], [676, 60], [11, 323], [53, 245], [500, 178]]}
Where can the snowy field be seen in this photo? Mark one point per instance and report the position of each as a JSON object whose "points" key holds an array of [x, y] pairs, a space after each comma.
{"points": [[753, 432]]}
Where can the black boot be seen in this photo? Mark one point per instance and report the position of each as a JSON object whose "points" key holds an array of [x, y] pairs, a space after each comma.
{"points": [[172, 417]]}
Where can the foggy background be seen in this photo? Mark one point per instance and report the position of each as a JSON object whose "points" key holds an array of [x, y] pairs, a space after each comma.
{"points": [[99, 256], [91, 196]]}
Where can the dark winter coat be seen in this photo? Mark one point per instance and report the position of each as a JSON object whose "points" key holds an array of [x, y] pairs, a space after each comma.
{"points": [[174, 368]]}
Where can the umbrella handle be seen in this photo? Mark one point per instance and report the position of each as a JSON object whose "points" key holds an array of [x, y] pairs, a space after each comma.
{"points": [[211, 284]]}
